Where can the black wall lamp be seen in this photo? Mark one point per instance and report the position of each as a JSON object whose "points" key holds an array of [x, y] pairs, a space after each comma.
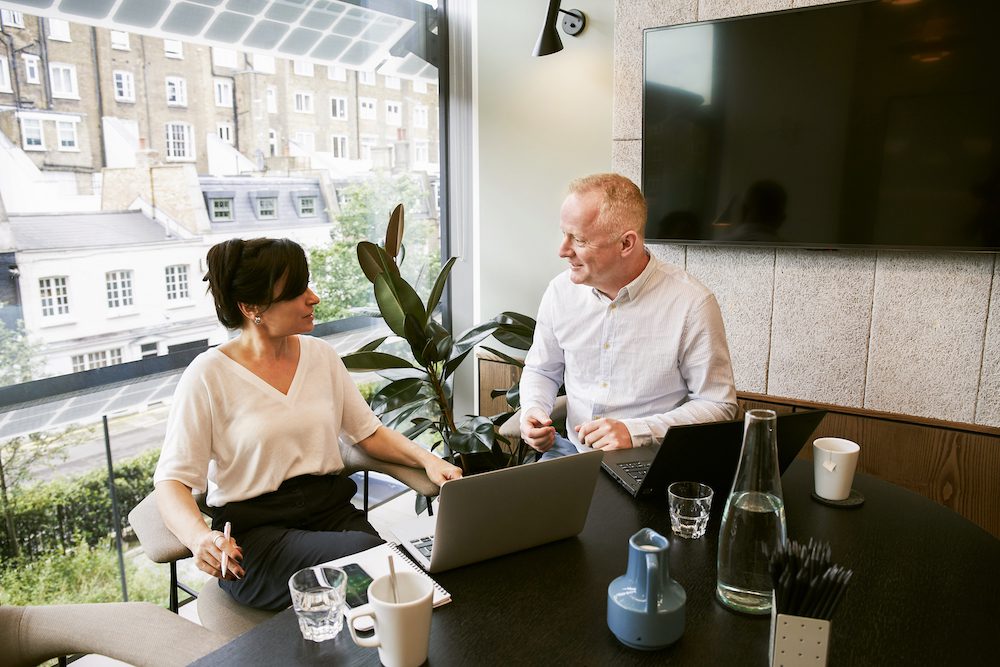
{"points": [[573, 24]]}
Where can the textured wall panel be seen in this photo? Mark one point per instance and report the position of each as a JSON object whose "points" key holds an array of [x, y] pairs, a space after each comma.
{"points": [[819, 332], [720, 9], [669, 253], [743, 281], [626, 159], [988, 403], [928, 327]]}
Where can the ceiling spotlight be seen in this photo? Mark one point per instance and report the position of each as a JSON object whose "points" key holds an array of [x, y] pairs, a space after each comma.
{"points": [[573, 24]]}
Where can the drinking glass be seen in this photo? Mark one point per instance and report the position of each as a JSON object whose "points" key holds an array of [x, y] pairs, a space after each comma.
{"points": [[318, 595], [690, 504]]}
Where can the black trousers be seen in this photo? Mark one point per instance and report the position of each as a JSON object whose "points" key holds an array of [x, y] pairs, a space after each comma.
{"points": [[308, 520]]}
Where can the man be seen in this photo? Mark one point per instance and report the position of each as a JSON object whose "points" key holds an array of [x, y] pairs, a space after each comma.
{"points": [[639, 344]]}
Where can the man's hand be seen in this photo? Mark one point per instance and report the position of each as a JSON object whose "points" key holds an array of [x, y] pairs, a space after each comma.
{"points": [[604, 434], [440, 471], [537, 430]]}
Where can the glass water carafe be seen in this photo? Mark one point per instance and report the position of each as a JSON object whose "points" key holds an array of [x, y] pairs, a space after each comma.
{"points": [[753, 524]]}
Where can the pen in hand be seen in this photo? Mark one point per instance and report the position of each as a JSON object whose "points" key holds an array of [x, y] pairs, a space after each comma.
{"points": [[225, 556]]}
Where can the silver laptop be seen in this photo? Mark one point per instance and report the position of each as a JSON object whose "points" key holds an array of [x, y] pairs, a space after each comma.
{"points": [[500, 512]]}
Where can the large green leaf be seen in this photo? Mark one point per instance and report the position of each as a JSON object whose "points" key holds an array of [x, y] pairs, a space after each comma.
{"points": [[439, 343], [393, 374], [361, 362], [506, 357], [396, 299], [471, 337], [396, 418], [399, 393], [435, 296], [420, 424], [373, 345], [394, 232], [518, 318], [454, 363], [417, 337], [369, 260], [465, 442]]}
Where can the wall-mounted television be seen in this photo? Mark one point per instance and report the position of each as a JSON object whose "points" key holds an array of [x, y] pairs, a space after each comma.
{"points": [[857, 124]]}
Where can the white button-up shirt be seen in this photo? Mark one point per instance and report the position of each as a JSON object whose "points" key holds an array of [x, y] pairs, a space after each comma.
{"points": [[653, 357]]}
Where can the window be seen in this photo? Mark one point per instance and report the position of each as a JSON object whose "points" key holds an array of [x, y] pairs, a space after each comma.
{"points": [[338, 108], [59, 30], [176, 92], [54, 296], [224, 57], [32, 73], [419, 86], [225, 132], [366, 78], [303, 102], [421, 152], [220, 210], [338, 146], [336, 73], [173, 48], [119, 40], [366, 144], [119, 288], [98, 359], [63, 80], [223, 93], [12, 18], [305, 140], [124, 86], [31, 131], [302, 67], [149, 349], [263, 63], [393, 82], [420, 115], [66, 131], [267, 207], [177, 285], [5, 77], [305, 206], [366, 107], [272, 141], [180, 144], [272, 99], [393, 113]]}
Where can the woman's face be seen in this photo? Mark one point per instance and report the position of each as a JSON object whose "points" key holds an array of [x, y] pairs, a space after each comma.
{"points": [[292, 316]]}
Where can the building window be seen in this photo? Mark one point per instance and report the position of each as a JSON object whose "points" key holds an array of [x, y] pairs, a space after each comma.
{"points": [[338, 108], [336, 73], [5, 77], [302, 67], [267, 207], [224, 57], [220, 210], [393, 82], [272, 141], [148, 350], [59, 30], [223, 93], [31, 131], [338, 146], [66, 131], [366, 144], [419, 86], [54, 296], [180, 144], [12, 18], [263, 63], [225, 132], [366, 78], [272, 99], [124, 86], [305, 140], [177, 284], [98, 359], [119, 288], [63, 79], [173, 48], [303, 102], [393, 114], [366, 106], [119, 40], [420, 115], [176, 92], [421, 152], [305, 206], [32, 73]]}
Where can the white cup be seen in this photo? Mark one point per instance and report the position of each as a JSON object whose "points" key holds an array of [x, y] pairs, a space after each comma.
{"points": [[834, 462], [402, 628]]}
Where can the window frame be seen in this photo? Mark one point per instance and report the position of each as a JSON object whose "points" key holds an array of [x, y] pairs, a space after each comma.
{"points": [[223, 89], [61, 34], [338, 107], [126, 91], [177, 283], [32, 69], [173, 48], [73, 147], [119, 290], [25, 143], [221, 208], [170, 146], [120, 40], [367, 108], [339, 146], [74, 88], [58, 300], [303, 102], [176, 88]]}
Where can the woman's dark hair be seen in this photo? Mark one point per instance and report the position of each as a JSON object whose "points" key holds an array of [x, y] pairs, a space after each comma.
{"points": [[246, 272]]}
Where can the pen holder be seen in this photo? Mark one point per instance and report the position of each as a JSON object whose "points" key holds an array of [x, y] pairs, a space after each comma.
{"points": [[797, 641]]}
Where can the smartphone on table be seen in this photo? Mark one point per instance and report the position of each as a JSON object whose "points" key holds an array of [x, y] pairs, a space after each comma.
{"points": [[357, 585]]}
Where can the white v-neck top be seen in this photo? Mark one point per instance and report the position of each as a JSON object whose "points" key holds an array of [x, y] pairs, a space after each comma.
{"points": [[235, 435]]}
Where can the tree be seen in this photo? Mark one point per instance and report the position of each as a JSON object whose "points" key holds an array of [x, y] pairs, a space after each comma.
{"points": [[19, 357]]}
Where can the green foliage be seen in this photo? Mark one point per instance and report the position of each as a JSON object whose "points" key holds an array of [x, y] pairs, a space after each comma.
{"points": [[19, 357], [417, 398]]}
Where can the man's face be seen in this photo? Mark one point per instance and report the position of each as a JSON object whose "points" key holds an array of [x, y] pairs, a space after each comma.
{"points": [[594, 256]]}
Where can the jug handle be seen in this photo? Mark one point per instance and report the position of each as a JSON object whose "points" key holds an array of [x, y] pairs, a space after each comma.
{"points": [[652, 579]]}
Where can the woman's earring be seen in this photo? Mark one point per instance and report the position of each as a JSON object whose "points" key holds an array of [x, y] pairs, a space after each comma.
{"points": [[256, 319]]}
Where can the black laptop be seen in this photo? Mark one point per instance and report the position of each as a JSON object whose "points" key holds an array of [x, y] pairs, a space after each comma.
{"points": [[707, 453]]}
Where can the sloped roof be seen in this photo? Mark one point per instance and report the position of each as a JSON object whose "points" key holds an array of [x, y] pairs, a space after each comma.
{"points": [[84, 230]]}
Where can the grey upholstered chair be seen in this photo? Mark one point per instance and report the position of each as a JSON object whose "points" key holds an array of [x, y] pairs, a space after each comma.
{"points": [[138, 633], [217, 611]]}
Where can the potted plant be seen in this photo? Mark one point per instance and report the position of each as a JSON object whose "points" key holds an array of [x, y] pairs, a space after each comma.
{"points": [[418, 397]]}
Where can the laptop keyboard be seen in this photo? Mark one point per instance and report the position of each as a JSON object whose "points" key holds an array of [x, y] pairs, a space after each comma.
{"points": [[423, 545], [635, 469]]}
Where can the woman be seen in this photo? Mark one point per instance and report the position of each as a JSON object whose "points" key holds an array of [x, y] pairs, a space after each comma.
{"points": [[256, 422]]}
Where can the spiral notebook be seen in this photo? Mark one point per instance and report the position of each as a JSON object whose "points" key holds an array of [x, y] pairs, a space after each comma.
{"points": [[375, 562]]}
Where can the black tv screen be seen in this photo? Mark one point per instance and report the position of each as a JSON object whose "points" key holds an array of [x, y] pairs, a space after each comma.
{"points": [[868, 124]]}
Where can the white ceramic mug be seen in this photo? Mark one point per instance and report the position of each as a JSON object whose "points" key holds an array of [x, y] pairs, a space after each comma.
{"points": [[834, 462], [402, 628]]}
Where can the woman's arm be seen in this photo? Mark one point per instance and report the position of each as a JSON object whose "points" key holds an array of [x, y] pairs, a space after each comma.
{"points": [[181, 515], [394, 447]]}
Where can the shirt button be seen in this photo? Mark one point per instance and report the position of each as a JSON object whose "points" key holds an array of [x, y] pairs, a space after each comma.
{"points": [[604, 385], [612, 306], [607, 346]]}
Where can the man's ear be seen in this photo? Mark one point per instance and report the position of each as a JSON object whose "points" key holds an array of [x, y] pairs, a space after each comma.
{"points": [[629, 241]]}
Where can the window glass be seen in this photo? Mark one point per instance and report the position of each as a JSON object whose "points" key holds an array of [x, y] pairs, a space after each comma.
{"points": [[124, 86], [221, 209], [31, 72], [173, 48], [119, 40], [63, 79], [119, 288], [59, 30], [177, 282]]}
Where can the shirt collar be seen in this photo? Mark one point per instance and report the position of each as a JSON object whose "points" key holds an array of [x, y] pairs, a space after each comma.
{"points": [[632, 291]]}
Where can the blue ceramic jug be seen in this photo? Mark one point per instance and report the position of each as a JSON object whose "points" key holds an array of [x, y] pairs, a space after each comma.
{"points": [[646, 606]]}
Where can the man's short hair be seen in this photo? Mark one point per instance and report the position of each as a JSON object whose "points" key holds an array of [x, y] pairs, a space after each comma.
{"points": [[622, 206]]}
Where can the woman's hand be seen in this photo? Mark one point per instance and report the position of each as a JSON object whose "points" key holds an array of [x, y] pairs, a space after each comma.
{"points": [[208, 555]]}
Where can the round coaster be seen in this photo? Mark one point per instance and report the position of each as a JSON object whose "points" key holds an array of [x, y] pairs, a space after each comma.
{"points": [[855, 499]]}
